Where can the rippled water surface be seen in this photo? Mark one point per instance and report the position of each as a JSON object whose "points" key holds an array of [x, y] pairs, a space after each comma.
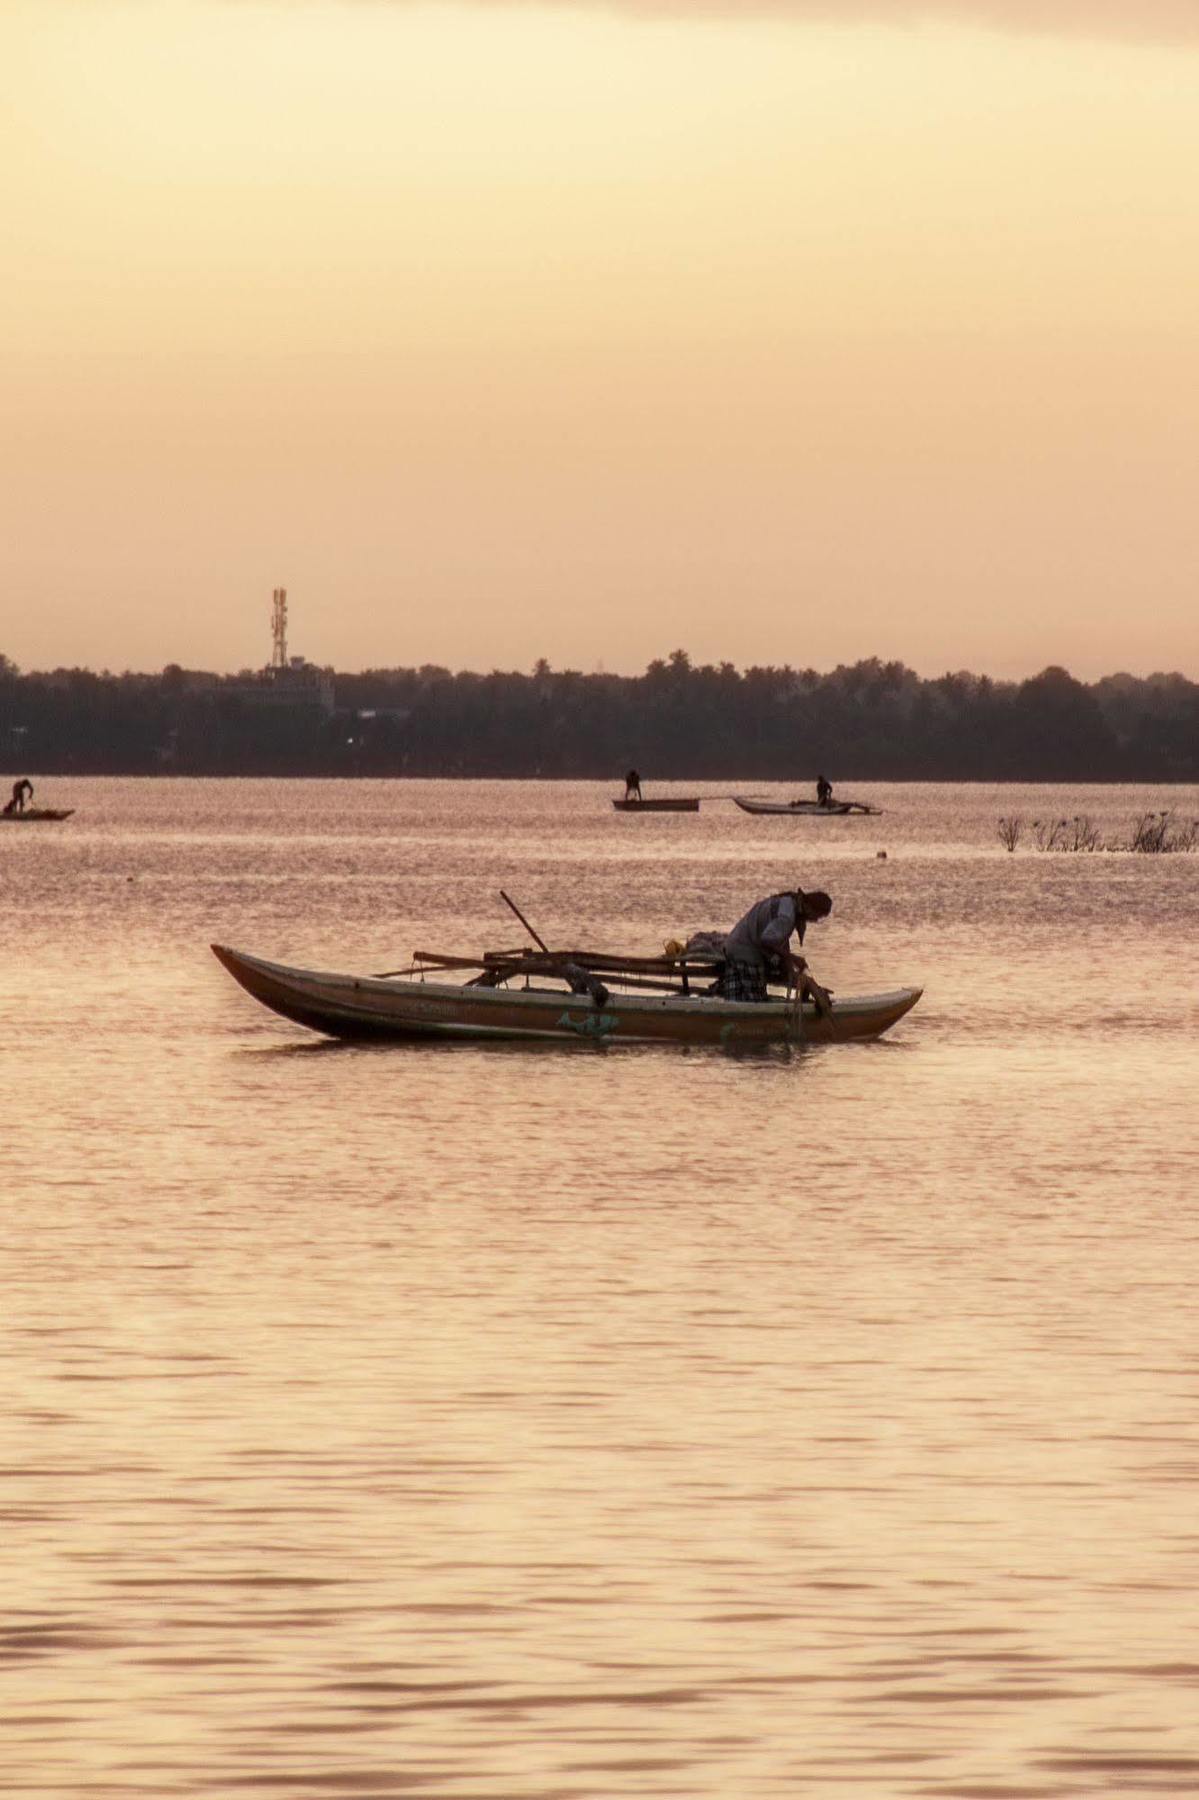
{"points": [[508, 1424]]}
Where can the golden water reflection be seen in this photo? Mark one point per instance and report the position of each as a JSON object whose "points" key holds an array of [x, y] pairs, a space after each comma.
{"points": [[386, 1422]]}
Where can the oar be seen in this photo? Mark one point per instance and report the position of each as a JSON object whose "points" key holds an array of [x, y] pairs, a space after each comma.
{"points": [[540, 942]]}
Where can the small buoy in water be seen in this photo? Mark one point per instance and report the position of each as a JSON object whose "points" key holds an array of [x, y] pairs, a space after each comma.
{"points": [[880, 855]]}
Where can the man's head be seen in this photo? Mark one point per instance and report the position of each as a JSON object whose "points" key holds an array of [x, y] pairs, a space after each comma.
{"points": [[814, 906]]}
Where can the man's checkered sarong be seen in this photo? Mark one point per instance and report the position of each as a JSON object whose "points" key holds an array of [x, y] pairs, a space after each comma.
{"points": [[743, 981]]}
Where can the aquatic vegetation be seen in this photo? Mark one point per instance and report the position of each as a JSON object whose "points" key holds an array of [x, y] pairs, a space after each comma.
{"points": [[1159, 834], [1153, 834], [1079, 835]]}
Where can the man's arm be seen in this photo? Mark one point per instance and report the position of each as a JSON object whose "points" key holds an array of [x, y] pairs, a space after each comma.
{"points": [[809, 989], [775, 940]]}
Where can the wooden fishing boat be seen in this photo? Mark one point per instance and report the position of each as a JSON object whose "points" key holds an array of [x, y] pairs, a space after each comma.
{"points": [[807, 809], [36, 815], [584, 1008], [656, 806]]}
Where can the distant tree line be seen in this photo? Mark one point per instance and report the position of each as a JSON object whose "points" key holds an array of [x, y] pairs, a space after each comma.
{"points": [[679, 720]]}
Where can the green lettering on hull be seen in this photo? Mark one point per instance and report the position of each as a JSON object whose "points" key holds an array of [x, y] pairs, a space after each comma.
{"points": [[593, 1024]]}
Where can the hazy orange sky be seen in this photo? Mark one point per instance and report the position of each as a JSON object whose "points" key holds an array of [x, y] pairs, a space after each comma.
{"points": [[787, 333]]}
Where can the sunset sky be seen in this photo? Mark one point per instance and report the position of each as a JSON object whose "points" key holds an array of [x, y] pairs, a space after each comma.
{"points": [[786, 333]]}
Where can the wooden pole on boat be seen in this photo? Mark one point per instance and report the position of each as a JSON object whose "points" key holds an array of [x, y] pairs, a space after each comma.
{"points": [[577, 979], [516, 909]]}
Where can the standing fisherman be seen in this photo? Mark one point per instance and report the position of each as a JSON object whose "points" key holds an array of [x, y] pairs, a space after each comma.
{"points": [[22, 793]]}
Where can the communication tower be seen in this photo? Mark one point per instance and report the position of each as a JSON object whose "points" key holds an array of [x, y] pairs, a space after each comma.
{"points": [[279, 629]]}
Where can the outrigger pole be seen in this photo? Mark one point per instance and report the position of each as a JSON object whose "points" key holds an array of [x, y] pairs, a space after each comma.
{"points": [[540, 942]]}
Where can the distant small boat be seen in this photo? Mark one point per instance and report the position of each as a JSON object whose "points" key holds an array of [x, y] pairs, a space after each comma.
{"points": [[638, 806], [806, 809], [36, 815]]}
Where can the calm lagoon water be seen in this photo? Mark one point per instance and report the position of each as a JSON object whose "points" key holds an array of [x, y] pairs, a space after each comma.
{"points": [[501, 1424]]}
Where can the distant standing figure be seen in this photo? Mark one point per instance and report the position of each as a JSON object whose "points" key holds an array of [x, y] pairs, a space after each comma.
{"points": [[632, 785], [824, 790], [22, 793]]}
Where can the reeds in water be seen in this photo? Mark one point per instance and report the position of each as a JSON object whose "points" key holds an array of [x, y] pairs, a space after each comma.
{"points": [[1160, 834], [1076, 836], [1153, 834]]}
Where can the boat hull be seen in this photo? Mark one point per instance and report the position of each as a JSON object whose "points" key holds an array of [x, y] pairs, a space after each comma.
{"points": [[36, 815], [803, 809], [364, 1006], [656, 806]]}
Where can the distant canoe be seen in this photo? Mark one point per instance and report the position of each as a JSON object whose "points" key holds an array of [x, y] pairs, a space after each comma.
{"points": [[805, 809], [639, 806], [36, 815]]}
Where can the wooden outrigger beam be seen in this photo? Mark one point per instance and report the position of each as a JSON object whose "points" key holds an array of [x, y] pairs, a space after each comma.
{"points": [[581, 970], [600, 961], [604, 963], [667, 974]]}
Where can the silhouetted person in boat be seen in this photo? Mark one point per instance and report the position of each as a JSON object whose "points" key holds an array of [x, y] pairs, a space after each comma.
{"points": [[759, 947], [632, 785], [22, 793], [824, 790]]}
